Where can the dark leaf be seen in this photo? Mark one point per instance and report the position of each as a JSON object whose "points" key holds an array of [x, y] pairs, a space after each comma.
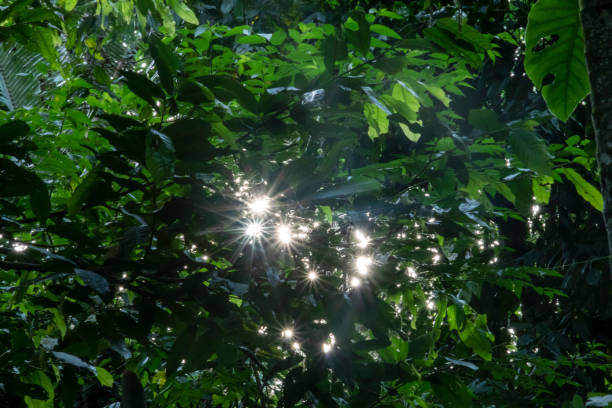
{"points": [[94, 281], [143, 87]]}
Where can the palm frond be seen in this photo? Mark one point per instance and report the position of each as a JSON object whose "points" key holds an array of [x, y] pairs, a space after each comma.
{"points": [[19, 78]]}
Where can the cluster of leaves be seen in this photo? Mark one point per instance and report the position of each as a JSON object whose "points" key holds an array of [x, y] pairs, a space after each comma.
{"points": [[124, 203]]}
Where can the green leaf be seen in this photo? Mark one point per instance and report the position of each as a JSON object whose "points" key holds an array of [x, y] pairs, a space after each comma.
{"points": [[166, 63], [59, 321], [460, 39], [384, 30], [402, 93], [183, 11], [334, 50], [541, 189], [555, 50], [83, 191], [69, 5], [224, 133], [474, 336], [143, 87], [19, 82], [530, 149], [105, 378], [585, 189], [278, 37], [358, 33], [195, 93], [327, 211], [159, 155], [412, 136], [377, 120], [252, 39]]}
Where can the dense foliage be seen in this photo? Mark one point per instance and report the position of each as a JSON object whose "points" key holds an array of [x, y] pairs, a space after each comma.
{"points": [[299, 204]]}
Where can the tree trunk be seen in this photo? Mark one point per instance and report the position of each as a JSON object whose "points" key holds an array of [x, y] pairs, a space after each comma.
{"points": [[596, 16]]}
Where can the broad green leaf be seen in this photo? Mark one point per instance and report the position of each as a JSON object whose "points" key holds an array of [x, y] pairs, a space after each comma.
{"points": [[377, 120], [195, 93], [327, 211], [252, 39], [554, 55], [412, 136], [69, 4], [83, 191], [460, 39], [225, 134], [541, 189], [404, 94], [358, 33], [60, 323], [585, 189], [473, 336], [105, 378], [384, 30], [143, 87], [530, 149], [159, 155], [278, 37], [166, 63], [438, 93], [183, 11]]}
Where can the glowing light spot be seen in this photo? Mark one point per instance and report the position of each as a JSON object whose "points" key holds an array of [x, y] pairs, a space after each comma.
{"points": [[313, 276], [355, 282], [260, 205], [263, 330], [124, 275], [411, 272], [363, 264], [205, 258], [362, 239], [254, 230], [19, 247], [327, 346], [283, 234], [295, 345], [121, 289], [183, 361], [287, 333], [430, 305]]}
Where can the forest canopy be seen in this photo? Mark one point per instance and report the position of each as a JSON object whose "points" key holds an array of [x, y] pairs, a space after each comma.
{"points": [[303, 203]]}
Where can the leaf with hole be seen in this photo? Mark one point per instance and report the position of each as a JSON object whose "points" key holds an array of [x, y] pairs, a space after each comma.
{"points": [[554, 44]]}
